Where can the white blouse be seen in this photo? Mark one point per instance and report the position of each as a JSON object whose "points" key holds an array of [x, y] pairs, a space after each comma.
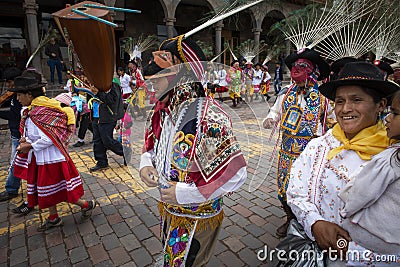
{"points": [[315, 183], [42, 146]]}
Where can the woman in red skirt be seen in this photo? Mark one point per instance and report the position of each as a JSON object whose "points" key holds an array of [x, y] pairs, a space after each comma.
{"points": [[43, 158]]}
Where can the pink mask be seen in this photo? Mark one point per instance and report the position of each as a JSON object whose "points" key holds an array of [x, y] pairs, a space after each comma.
{"points": [[301, 70]]}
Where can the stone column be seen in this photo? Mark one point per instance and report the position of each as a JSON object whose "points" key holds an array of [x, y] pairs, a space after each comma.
{"points": [[256, 33], [218, 38], [288, 46], [31, 8], [169, 22]]}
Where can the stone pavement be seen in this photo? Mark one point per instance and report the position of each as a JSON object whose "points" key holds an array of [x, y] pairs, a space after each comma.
{"points": [[124, 230]]}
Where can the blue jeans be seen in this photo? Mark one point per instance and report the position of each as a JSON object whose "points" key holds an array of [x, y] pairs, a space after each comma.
{"points": [[53, 64], [13, 183], [277, 85]]}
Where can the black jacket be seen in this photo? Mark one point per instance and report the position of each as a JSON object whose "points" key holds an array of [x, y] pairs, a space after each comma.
{"points": [[112, 108], [13, 116]]}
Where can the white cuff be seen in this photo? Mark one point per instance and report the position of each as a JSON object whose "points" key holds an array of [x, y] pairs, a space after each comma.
{"points": [[146, 160]]}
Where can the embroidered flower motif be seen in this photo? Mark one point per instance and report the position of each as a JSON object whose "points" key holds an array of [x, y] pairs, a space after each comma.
{"points": [[178, 240], [166, 260]]}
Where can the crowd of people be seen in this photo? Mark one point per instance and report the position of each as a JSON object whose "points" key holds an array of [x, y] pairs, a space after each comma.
{"points": [[337, 181]]}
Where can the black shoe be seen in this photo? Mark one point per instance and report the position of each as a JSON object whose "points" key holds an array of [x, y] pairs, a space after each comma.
{"points": [[87, 212], [4, 196], [98, 167], [22, 209], [78, 144], [47, 224]]}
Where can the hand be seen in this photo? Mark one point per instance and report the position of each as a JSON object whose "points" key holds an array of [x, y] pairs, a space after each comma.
{"points": [[327, 235], [268, 123], [94, 90], [168, 195], [147, 173], [22, 140], [71, 128], [24, 147]]}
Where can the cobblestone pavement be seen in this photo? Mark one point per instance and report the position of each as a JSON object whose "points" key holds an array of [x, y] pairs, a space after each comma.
{"points": [[124, 230]]}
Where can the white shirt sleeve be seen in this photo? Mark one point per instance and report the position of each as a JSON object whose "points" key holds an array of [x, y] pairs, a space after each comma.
{"points": [[300, 185], [267, 77], [146, 159], [189, 193], [276, 110]]}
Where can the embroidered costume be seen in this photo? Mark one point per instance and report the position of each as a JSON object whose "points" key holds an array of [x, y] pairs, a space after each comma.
{"points": [[190, 141], [234, 78], [197, 149], [301, 114]]}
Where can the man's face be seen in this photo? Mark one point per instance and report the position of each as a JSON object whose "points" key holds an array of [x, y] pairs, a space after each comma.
{"points": [[132, 66], [120, 73]]}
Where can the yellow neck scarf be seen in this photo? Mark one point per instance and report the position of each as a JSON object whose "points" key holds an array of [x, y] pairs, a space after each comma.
{"points": [[367, 143]]}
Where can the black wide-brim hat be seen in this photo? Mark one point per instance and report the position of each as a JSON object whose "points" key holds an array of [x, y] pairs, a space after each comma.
{"points": [[363, 74], [312, 56], [337, 65], [28, 81], [384, 66]]}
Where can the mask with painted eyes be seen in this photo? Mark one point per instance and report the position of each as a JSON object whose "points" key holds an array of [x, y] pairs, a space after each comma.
{"points": [[301, 70], [163, 59]]}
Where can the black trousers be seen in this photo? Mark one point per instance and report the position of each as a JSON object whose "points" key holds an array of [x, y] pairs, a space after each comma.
{"points": [[103, 140], [84, 125]]}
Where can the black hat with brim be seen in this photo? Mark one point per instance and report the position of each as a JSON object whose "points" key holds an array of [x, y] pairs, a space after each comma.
{"points": [[337, 65], [312, 56], [26, 84], [363, 74], [384, 66]]}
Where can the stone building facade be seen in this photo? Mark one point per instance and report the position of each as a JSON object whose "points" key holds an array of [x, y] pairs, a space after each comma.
{"points": [[24, 22]]}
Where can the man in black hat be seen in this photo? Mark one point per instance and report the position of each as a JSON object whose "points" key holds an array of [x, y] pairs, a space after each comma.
{"points": [[301, 113], [191, 175]]}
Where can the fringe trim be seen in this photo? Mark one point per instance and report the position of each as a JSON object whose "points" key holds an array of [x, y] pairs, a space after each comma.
{"points": [[202, 225]]}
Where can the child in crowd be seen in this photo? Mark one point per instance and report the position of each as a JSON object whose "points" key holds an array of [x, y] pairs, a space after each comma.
{"points": [[265, 82]]}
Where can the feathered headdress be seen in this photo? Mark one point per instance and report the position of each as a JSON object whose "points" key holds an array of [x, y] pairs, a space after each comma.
{"points": [[249, 50], [321, 23], [387, 35], [135, 47]]}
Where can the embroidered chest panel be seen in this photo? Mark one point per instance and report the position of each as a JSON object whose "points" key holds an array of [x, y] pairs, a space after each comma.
{"points": [[302, 120]]}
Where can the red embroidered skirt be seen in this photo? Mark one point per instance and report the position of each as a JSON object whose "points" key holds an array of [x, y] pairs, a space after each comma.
{"points": [[50, 184]]}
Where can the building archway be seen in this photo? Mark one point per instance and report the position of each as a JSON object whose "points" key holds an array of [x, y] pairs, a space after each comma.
{"points": [[273, 38]]}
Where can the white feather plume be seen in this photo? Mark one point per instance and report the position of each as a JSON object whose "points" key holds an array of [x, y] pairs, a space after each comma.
{"points": [[249, 50], [387, 35], [321, 23], [222, 15]]}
